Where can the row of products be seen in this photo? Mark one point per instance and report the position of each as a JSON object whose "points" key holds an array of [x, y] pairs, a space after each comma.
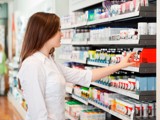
{"points": [[84, 112], [145, 28], [131, 84], [104, 34], [108, 9], [118, 103], [127, 106], [108, 55], [122, 105], [113, 55]]}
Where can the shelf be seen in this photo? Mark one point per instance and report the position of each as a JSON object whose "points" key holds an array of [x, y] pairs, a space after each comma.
{"points": [[79, 61], [143, 40], [143, 95], [80, 43], [74, 26], [17, 105], [80, 99], [143, 68], [67, 116], [13, 66], [66, 41], [81, 4], [142, 13], [97, 64], [115, 42]]}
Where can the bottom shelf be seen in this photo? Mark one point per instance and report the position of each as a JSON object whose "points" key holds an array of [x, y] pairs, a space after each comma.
{"points": [[18, 107], [118, 115]]}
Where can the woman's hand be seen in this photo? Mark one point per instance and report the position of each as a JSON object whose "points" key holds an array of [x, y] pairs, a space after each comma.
{"points": [[125, 62]]}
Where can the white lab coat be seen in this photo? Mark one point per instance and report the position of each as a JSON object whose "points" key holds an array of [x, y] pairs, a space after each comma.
{"points": [[43, 82]]}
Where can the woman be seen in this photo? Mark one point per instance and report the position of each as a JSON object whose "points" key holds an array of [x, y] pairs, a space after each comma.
{"points": [[3, 70], [42, 78]]}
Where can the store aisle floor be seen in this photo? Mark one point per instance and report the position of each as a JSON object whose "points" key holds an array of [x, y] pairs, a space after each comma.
{"points": [[7, 110]]}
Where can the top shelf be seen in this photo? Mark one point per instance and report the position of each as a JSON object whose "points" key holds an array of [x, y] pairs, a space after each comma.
{"points": [[81, 4], [144, 12]]}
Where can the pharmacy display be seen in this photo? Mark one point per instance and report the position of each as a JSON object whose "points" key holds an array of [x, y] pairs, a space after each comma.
{"points": [[100, 33]]}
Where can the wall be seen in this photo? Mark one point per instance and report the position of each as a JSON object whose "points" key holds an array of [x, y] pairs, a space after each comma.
{"points": [[62, 7]]}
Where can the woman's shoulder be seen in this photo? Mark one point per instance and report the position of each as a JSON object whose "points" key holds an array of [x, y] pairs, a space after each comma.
{"points": [[31, 61]]}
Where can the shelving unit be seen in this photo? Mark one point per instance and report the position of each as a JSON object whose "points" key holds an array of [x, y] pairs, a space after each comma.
{"points": [[144, 41], [142, 95], [17, 105]]}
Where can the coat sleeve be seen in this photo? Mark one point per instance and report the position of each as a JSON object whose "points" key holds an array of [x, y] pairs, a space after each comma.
{"points": [[76, 76], [32, 79]]}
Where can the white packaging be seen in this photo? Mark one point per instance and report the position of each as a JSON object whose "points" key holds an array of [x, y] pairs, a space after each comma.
{"points": [[145, 110], [142, 28], [151, 109], [152, 28]]}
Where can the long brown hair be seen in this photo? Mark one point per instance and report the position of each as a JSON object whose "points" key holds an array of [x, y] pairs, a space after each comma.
{"points": [[41, 27]]}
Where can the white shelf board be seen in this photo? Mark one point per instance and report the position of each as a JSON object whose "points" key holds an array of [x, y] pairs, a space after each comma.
{"points": [[118, 90], [117, 17], [66, 41], [63, 58], [80, 4], [133, 69], [79, 43], [74, 26], [13, 66], [67, 116], [67, 27], [123, 117], [80, 99], [80, 24], [79, 61], [126, 15], [97, 64], [112, 42], [98, 21], [18, 107]]}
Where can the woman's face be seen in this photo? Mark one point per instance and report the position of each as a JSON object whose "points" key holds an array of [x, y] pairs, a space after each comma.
{"points": [[55, 41]]}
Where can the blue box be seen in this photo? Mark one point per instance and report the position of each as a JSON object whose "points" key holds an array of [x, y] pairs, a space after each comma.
{"points": [[141, 83], [151, 83]]}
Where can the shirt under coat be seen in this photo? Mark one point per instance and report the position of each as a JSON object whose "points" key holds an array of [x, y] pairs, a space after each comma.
{"points": [[43, 82]]}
